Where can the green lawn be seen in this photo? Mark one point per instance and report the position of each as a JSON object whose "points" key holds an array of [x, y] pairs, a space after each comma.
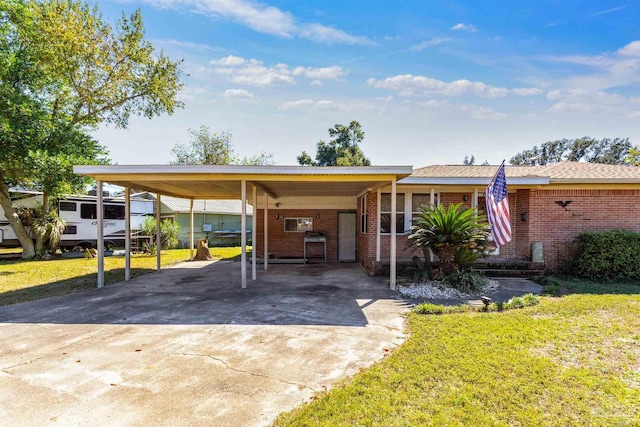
{"points": [[573, 360], [30, 280]]}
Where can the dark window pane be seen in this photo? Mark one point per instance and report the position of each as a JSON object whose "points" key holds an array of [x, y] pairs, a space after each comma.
{"points": [[385, 223], [420, 200], [88, 211], [70, 229], [113, 212], [68, 206], [385, 202]]}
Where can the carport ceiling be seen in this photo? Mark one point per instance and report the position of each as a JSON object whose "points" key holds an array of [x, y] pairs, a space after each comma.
{"points": [[225, 182]]}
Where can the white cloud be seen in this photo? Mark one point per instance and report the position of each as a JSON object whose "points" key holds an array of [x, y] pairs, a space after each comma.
{"points": [[325, 104], [310, 104], [632, 49], [464, 27], [429, 43], [634, 114], [253, 72], [261, 18], [410, 85], [607, 11], [183, 44], [316, 83], [228, 61], [324, 73], [481, 113], [238, 94], [324, 34], [607, 70]]}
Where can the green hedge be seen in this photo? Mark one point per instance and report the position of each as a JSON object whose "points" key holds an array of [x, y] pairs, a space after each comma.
{"points": [[613, 254]]}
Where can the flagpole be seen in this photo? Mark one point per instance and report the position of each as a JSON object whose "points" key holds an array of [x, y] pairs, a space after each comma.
{"points": [[498, 170]]}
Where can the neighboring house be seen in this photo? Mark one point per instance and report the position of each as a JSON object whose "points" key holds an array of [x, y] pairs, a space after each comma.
{"points": [[216, 220]]}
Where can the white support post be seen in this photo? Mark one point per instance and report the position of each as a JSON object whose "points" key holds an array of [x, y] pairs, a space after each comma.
{"points": [[378, 203], [100, 233], [392, 258], [191, 240], [474, 202], [432, 198], [158, 234], [266, 232], [254, 225], [243, 234], [127, 233]]}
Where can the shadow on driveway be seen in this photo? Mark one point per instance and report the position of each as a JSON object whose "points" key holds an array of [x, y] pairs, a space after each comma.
{"points": [[210, 293]]}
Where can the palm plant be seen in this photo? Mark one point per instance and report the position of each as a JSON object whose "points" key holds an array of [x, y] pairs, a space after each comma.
{"points": [[456, 236], [48, 228]]}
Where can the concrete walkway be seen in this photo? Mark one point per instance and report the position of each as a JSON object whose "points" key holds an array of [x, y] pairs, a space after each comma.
{"points": [[187, 346]]}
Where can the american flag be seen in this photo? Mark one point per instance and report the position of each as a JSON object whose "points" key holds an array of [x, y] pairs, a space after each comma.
{"points": [[498, 208]]}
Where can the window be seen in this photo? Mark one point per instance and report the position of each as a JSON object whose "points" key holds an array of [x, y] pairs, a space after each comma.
{"points": [[89, 211], [298, 224], [68, 206], [113, 212], [421, 199], [364, 215], [385, 213], [70, 229]]}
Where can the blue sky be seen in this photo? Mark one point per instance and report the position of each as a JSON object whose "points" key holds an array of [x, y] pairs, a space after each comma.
{"points": [[430, 82]]}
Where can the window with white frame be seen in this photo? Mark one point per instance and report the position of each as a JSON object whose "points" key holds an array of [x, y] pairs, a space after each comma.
{"points": [[298, 224], [385, 213], [364, 215], [421, 199]]}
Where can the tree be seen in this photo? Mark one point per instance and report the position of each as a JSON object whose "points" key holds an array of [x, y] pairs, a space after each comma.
{"points": [[213, 148], [169, 230], [63, 71], [610, 151], [634, 156], [341, 150], [469, 161], [455, 235]]}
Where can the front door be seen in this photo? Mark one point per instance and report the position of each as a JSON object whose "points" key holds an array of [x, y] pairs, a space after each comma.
{"points": [[346, 236]]}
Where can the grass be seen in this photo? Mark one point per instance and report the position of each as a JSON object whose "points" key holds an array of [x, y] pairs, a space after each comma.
{"points": [[33, 279], [573, 360]]}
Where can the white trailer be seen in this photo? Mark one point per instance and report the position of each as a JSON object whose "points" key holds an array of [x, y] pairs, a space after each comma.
{"points": [[79, 213]]}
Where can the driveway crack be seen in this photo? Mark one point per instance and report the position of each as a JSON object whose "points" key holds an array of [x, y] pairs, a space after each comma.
{"points": [[226, 364], [72, 343]]}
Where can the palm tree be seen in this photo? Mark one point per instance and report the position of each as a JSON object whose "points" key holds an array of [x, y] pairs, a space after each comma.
{"points": [[48, 228], [455, 235]]}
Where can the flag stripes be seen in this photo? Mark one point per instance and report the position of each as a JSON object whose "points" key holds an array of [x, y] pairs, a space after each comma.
{"points": [[497, 200]]}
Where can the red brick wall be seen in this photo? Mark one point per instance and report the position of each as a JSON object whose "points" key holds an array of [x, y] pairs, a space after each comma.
{"points": [[521, 228], [290, 245], [590, 210]]}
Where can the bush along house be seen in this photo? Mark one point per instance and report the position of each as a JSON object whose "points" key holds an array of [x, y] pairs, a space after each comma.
{"points": [[363, 214]]}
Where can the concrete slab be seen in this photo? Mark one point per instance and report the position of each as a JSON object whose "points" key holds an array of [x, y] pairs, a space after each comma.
{"points": [[187, 346]]}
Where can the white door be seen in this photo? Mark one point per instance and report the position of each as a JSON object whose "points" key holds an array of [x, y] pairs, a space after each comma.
{"points": [[347, 236]]}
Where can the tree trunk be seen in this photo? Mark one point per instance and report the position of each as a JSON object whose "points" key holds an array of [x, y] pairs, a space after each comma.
{"points": [[45, 209], [28, 251], [202, 253]]}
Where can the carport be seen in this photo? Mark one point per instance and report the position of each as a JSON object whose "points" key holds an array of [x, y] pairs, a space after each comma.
{"points": [[236, 182]]}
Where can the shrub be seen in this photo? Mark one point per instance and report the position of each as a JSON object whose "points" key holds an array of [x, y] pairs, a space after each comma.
{"points": [[527, 300], [613, 254], [466, 281], [419, 270], [551, 285], [168, 233], [455, 235]]}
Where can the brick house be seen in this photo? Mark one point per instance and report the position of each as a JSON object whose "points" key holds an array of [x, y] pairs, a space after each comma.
{"points": [[601, 197], [353, 209]]}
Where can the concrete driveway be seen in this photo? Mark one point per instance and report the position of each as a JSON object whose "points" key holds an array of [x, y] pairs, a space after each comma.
{"points": [[186, 346]]}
